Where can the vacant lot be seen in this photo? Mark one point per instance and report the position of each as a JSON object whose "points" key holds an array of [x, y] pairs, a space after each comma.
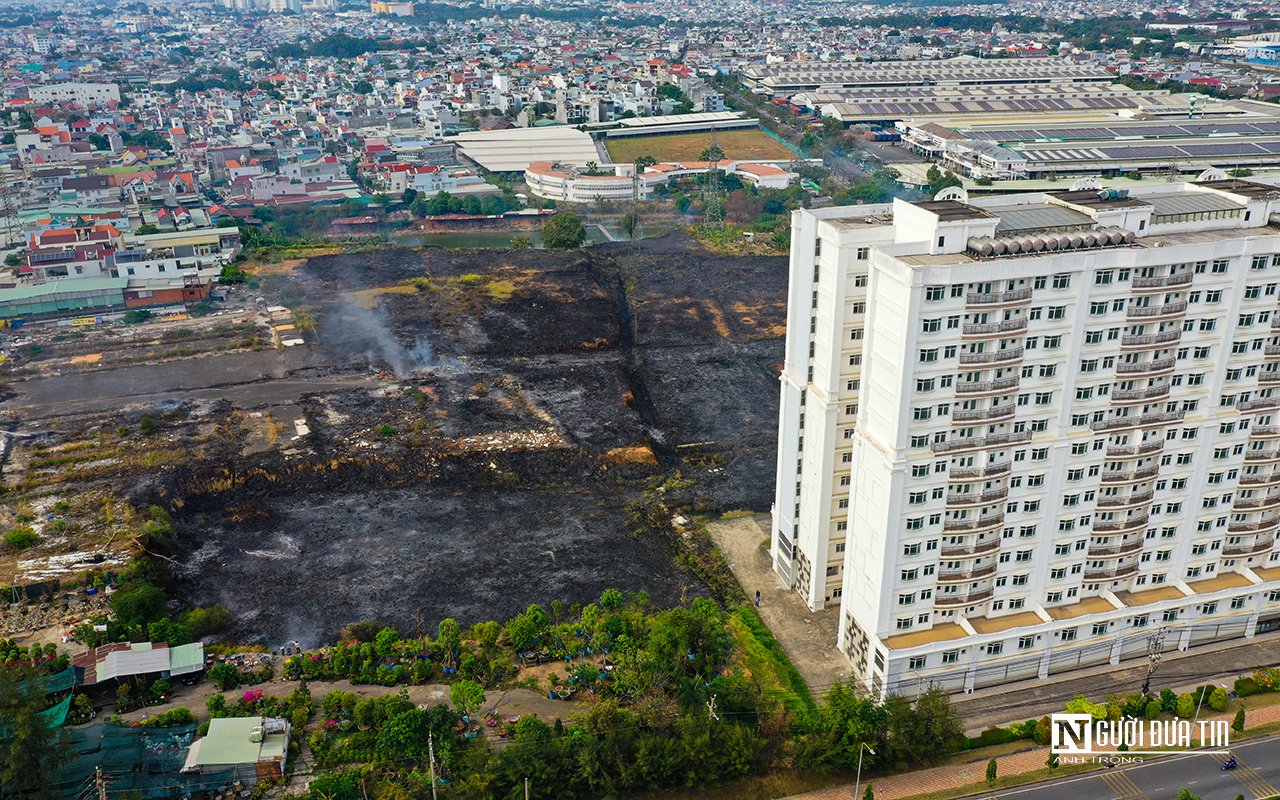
{"points": [[749, 144]]}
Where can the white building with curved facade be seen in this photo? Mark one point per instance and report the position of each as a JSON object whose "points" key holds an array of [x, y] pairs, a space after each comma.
{"points": [[564, 183]]}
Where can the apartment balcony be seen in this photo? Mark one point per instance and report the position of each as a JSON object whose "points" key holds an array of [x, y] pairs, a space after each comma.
{"points": [[969, 499], [1126, 501], [1249, 549], [1146, 367], [994, 328], [1259, 404], [960, 575], [998, 386], [1256, 504], [971, 525], [980, 442], [983, 414], [952, 600], [1265, 431], [1275, 323], [997, 298], [1113, 551], [1263, 456], [1119, 423], [1122, 525], [1253, 527], [1151, 339], [1121, 451], [1152, 284], [1157, 312], [995, 357], [1269, 378], [969, 473], [1140, 395], [1266, 479], [969, 550], [1110, 573], [1131, 477], [1271, 350]]}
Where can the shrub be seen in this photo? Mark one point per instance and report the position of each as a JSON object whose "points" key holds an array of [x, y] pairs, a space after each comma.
{"points": [[21, 537], [1247, 686], [224, 676], [1154, 710], [992, 736], [1237, 724], [1168, 700], [1186, 705], [1218, 699], [1268, 679]]}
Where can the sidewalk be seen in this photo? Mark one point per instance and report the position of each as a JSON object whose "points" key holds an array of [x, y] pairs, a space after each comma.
{"points": [[957, 776]]}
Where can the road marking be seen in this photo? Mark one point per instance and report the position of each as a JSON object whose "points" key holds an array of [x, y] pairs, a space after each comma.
{"points": [[1123, 786], [1250, 778]]}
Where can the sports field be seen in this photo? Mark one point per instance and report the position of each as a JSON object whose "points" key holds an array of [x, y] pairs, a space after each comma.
{"points": [[748, 144]]}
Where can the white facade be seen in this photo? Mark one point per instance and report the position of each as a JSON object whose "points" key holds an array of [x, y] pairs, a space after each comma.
{"points": [[84, 94], [1030, 431]]}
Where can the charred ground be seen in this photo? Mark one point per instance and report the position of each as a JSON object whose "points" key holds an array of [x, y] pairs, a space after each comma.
{"points": [[461, 434]]}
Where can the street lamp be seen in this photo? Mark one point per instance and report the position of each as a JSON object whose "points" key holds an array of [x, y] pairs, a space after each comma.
{"points": [[858, 784]]}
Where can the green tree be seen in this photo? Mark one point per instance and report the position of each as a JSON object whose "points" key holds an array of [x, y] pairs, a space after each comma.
{"points": [[869, 794], [1237, 724], [712, 152], [643, 162], [1185, 794], [362, 87], [166, 630], [449, 637], [991, 772], [1218, 699], [630, 223], [564, 232], [384, 643], [1186, 705], [147, 230], [939, 180], [138, 602], [521, 243], [467, 696], [99, 142], [30, 749], [408, 196]]}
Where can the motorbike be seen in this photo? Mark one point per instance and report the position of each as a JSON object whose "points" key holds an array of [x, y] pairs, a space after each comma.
{"points": [[1230, 763]]}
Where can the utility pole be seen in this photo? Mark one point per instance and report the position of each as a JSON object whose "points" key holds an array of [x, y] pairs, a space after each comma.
{"points": [[101, 783], [431, 763], [713, 213], [1155, 652], [526, 789], [711, 709]]}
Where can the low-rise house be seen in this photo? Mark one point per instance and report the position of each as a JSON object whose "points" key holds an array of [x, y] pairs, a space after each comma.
{"points": [[253, 748], [133, 660]]}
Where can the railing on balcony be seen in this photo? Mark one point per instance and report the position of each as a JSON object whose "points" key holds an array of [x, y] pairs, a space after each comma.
{"points": [[988, 471], [1121, 526], [1136, 422], [1122, 549], [1157, 311], [1266, 430], [1260, 480], [988, 328], [1271, 350], [953, 576], [1110, 574], [1127, 500], [970, 499], [1143, 367], [1249, 549], [1135, 475], [978, 415], [1251, 527], [1144, 340], [1261, 455], [1259, 404], [1255, 503], [1149, 393], [969, 550], [1182, 278], [947, 600], [994, 357], [961, 525], [978, 387], [979, 442], [1136, 450], [996, 298]]}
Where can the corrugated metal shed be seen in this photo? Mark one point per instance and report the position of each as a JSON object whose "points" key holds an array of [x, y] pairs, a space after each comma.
{"points": [[1042, 216], [187, 658], [140, 659], [230, 743], [1165, 205]]}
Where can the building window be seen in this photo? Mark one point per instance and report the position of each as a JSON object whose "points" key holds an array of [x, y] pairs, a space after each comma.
{"points": [[995, 648], [916, 662]]}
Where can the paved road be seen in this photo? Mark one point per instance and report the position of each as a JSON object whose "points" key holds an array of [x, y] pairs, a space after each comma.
{"points": [[1257, 777]]}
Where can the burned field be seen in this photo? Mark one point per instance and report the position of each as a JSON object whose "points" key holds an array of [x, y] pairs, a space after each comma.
{"points": [[462, 433]]}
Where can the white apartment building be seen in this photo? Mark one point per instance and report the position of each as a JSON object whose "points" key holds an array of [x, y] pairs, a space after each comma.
{"points": [[1025, 434], [82, 94]]}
